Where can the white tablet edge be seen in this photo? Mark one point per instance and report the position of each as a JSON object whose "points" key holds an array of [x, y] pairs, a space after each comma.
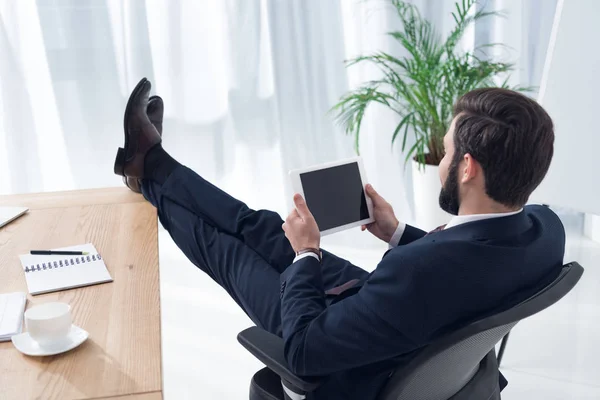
{"points": [[15, 212], [297, 187]]}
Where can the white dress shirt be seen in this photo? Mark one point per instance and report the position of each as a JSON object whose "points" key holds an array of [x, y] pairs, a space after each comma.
{"points": [[301, 256], [456, 220]]}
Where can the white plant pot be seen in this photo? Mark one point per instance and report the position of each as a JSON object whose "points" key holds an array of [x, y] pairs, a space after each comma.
{"points": [[426, 188]]}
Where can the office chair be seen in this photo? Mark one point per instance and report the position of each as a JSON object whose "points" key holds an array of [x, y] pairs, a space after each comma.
{"points": [[459, 366]]}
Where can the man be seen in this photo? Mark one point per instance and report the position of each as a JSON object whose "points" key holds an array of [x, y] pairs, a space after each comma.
{"points": [[336, 319]]}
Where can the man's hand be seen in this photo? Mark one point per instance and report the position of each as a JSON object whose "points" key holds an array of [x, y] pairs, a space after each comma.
{"points": [[301, 228], [385, 221]]}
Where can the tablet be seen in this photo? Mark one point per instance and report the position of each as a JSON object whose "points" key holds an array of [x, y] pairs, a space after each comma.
{"points": [[335, 194]]}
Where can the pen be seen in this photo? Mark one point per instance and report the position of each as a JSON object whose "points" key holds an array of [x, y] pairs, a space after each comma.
{"points": [[62, 253]]}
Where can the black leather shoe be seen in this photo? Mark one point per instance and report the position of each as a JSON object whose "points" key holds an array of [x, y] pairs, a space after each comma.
{"points": [[140, 134], [155, 113]]}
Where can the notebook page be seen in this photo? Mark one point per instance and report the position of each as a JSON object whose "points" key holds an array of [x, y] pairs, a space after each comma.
{"points": [[60, 272]]}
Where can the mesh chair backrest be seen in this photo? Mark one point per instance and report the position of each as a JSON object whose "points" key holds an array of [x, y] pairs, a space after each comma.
{"points": [[447, 365], [451, 369]]}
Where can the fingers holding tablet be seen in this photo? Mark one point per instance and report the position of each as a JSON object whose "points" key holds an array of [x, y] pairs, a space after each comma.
{"points": [[385, 223], [300, 227]]}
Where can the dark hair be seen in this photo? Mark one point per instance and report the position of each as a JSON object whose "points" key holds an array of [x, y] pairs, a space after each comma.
{"points": [[510, 135]]}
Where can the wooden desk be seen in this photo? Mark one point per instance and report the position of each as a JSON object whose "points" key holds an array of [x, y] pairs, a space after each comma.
{"points": [[122, 357]]}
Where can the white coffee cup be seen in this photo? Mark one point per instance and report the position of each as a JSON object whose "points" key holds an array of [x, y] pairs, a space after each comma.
{"points": [[48, 323]]}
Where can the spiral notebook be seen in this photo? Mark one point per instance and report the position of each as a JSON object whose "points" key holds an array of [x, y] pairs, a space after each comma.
{"points": [[45, 274]]}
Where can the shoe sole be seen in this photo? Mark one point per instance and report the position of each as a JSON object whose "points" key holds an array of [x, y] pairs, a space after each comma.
{"points": [[120, 159]]}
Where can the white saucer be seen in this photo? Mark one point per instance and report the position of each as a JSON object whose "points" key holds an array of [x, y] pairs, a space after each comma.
{"points": [[26, 345]]}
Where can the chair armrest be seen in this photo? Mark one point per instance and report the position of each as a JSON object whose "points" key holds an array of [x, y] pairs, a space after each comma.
{"points": [[268, 348]]}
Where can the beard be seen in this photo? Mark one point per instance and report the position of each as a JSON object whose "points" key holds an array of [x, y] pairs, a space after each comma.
{"points": [[449, 196]]}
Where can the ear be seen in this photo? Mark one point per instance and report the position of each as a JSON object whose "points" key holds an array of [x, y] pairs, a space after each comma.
{"points": [[470, 170]]}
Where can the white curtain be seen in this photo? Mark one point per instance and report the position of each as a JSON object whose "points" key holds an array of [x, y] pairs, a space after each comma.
{"points": [[247, 85], [525, 32]]}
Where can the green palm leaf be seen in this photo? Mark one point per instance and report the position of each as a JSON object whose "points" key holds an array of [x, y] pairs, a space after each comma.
{"points": [[423, 86]]}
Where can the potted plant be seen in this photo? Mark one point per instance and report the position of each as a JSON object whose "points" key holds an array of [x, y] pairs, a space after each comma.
{"points": [[422, 88]]}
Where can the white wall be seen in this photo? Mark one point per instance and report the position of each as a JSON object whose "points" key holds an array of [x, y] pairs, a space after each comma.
{"points": [[570, 93]]}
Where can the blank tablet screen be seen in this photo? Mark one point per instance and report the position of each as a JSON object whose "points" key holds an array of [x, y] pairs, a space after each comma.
{"points": [[335, 195]]}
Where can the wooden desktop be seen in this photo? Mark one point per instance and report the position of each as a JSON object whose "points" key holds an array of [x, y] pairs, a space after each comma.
{"points": [[122, 357]]}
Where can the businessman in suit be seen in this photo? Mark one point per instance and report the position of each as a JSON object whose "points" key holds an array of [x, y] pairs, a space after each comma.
{"points": [[336, 319]]}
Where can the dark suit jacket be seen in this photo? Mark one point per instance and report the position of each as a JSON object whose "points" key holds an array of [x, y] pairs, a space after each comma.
{"points": [[427, 286]]}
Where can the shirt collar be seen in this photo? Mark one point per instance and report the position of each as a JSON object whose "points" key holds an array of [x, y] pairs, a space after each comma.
{"points": [[463, 219]]}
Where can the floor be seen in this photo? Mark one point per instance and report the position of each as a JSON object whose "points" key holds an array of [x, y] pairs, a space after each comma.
{"points": [[551, 356]]}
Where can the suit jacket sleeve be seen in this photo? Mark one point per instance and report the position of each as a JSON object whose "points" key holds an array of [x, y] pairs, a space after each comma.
{"points": [[321, 340], [411, 234]]}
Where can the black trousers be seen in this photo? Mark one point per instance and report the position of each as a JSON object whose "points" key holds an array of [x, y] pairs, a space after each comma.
{"points": [[243, 250]]}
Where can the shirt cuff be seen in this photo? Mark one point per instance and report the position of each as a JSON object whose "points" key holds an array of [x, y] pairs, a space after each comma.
{"points": [[397, 235], [310, 254]]}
